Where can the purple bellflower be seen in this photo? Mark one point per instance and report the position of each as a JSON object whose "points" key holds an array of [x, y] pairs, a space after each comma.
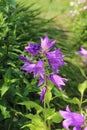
{"points": [[33, 48], [36, 68], [47, 44], [82, 51], [58, 80], [28, 66], [41, 80], [55, 59], [42, 94], [39, 69], [85, 128], [71, 119]]}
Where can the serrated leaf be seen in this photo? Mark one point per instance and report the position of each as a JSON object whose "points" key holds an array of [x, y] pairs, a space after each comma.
{"points": [[4, 89], [5, 113], [31, 104], [82, 87], [36, 122], [74, 100]]}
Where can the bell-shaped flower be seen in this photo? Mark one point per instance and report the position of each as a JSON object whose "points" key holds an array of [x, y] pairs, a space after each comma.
{"points": [[42, 94], [46, 44], [39, 69], [28, 66], [82, 51], [55, 59], [33, 48], [72, 119], [58, 80], [41, 80]]}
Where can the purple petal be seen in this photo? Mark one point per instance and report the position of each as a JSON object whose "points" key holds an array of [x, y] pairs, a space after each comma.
{"points": [[33, 48], [67, 123], [47, 44], [41, 81], [55, 59], [77, 128], [82, 51], [23, 58], [58, 80], [39, 68], [42, 94], [64, 114], [28, 67], [85, 128]]}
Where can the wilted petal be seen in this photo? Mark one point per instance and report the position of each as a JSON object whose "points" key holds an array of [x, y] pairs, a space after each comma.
{"points": [[42, 94]]}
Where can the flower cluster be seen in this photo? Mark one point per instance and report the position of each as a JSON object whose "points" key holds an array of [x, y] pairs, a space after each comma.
{"points": [[78, 6], [47, 65], [72, 119]]}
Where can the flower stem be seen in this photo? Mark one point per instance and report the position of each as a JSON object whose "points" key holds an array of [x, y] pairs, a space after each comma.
{"points": [[45, 127], [80, 106]]}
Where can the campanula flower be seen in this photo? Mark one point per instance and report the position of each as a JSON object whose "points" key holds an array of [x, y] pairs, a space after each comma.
{"points": [[23, 58], [33, 48], [46, 44], [39, 69], [42, 94], [71, 119], [55, 59], [41, 80], [28, 67], [83, 53], [58, 80], [85, 128]]}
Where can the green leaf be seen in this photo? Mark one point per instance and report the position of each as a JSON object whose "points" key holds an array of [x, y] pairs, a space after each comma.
{"points": [[12, 3], [49, 112], [7, 82], [74, 100], [31, 104], [82, 72], [36, 122], [4, 89], [82, 87], [48, 97], [56, 117], [5, 113]]}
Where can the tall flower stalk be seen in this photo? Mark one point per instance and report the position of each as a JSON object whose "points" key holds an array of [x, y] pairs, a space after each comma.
{"points": [[46, 67]]}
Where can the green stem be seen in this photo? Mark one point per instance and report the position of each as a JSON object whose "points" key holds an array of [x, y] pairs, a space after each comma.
{"points": [[80, 106], [44, 116]]}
